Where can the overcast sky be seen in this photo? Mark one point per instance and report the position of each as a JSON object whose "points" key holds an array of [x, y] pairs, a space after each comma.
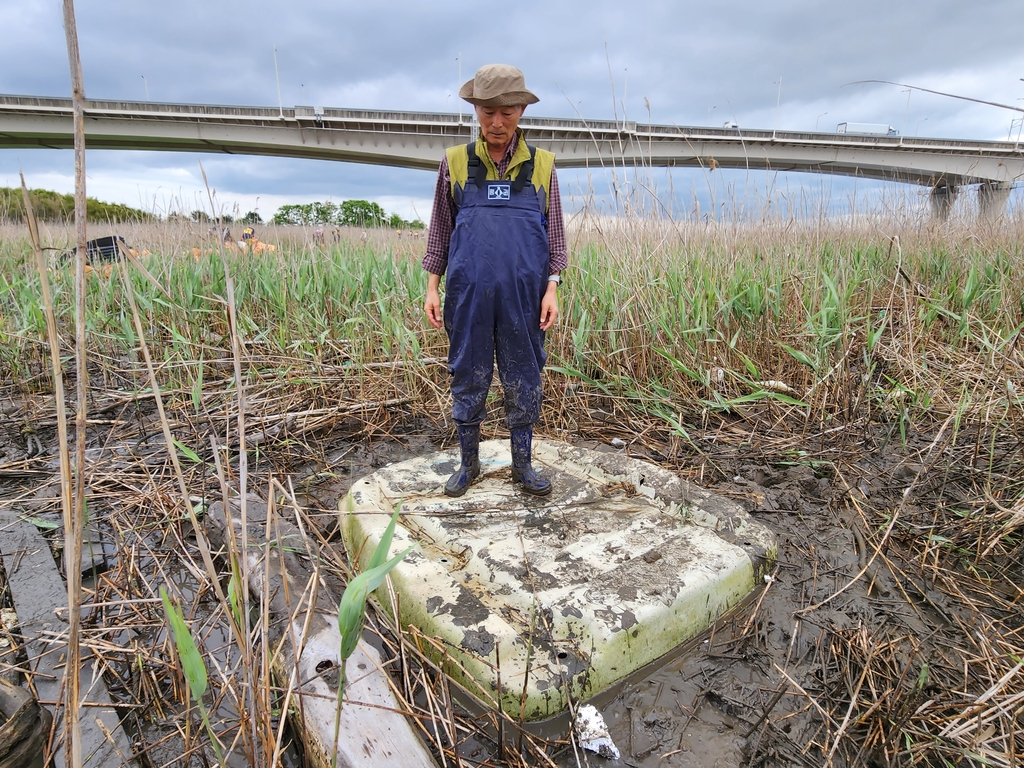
{"points": [[695, 64]]}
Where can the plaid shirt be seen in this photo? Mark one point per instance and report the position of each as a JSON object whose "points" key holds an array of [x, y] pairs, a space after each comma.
{"points": [[442, 218]]}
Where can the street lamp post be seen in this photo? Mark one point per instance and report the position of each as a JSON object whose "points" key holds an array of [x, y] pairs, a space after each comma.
{"points": [[778, 101], [906, 114], [277, 77]]}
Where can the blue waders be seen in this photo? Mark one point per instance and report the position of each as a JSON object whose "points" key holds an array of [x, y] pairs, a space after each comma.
{"points": [[497, 274]]}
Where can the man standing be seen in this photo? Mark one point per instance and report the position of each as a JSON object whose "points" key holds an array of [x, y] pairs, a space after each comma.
{"points": [[497, 230]]}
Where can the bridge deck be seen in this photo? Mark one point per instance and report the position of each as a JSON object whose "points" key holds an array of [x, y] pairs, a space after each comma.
{"points": [[417, 140]]}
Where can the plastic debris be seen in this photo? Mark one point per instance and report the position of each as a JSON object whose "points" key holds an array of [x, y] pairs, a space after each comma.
{"points": [[779, 387], [618, 442], [8, 623], [592, 733]]}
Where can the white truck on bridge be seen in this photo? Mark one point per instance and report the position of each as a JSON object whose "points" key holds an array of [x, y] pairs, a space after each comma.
{"points": [[871, 129]]}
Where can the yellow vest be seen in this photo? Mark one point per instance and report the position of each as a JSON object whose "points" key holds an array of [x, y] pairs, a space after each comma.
{"points": [[543, 163]]}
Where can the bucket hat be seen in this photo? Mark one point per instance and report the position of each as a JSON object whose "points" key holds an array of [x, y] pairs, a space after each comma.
{"points": [[497, 85]]}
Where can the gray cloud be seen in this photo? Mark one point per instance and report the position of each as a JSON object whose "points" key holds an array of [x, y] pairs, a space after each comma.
{"points": [[693, 63]]}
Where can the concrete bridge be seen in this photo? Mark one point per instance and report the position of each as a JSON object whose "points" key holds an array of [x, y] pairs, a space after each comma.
{"points": [[417, 140]]}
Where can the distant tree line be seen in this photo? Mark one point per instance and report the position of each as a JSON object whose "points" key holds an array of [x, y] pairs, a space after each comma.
{"points": [[350, 213], [53, 206], [252, 217]]}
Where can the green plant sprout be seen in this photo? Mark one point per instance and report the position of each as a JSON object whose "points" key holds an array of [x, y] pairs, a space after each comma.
{"points": [[191, 665], [352, 607]]}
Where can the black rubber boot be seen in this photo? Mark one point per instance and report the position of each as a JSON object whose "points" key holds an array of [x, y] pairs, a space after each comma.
{"points": [[522, 463], [469, 442]]}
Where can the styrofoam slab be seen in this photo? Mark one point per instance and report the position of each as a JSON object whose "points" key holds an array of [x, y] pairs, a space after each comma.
{"points": [[570, 593]]}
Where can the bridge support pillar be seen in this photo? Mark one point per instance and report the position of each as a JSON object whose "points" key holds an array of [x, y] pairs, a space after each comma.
{"points": [[942, 198], [992, 198]]}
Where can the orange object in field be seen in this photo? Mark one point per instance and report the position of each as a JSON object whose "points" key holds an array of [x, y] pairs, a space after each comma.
{"points": [[105, 270]]}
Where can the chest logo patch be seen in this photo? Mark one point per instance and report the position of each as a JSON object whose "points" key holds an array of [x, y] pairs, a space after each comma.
{"points": [[499, 192]]}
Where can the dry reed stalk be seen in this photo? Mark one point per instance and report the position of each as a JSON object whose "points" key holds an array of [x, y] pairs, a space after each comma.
{"points": [[265, 701], [73, 533], [243, 455], [67, 479], [297, 647]]}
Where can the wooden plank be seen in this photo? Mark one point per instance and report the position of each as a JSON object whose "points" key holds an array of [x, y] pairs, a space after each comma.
{"points": [[38, 591], [373, 732]]}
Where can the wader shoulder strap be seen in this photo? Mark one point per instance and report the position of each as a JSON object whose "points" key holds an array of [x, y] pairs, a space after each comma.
{"points": [[525, 172], [477, 170]]}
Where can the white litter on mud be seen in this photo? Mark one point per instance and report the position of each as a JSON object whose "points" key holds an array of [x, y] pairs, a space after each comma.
{"points": [[592, 733], [561, 596]]}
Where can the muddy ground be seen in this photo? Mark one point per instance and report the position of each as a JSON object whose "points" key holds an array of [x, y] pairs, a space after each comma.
{"points": [[761, 687], [827, 664]]}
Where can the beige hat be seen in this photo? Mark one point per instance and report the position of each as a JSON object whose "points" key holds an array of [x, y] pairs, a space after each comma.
{"points": [[497, 85]]}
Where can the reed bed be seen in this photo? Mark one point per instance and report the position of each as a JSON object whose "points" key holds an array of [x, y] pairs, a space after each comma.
{"points": [[886, 353]]}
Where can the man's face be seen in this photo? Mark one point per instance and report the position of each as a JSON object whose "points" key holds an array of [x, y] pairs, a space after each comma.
{"points": [[498, 124]]}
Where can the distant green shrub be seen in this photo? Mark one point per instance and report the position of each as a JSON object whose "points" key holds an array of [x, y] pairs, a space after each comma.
{"points": [[53, 206], [351, 213]]}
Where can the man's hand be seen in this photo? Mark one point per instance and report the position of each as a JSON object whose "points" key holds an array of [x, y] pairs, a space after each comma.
{"points": [[432, 306], [549, 306]]}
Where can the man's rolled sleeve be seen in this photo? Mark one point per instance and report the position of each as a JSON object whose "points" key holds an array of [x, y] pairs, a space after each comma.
{"points": [[557, 249]]}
